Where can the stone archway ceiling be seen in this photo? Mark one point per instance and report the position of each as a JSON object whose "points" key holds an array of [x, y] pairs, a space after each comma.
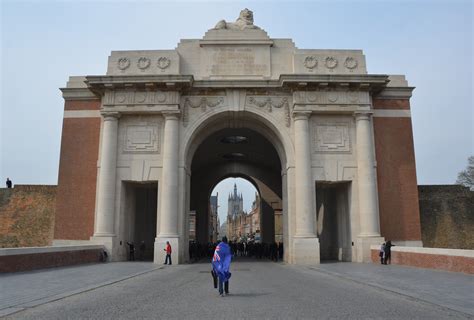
{"points": [[236, 145]]}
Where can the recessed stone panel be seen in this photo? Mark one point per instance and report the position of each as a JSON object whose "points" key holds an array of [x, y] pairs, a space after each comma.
{"points": [[141, 138], [332, 137]]}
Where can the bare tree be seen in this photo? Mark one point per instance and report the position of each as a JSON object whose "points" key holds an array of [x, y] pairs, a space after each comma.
{"points": [[466, 177]]}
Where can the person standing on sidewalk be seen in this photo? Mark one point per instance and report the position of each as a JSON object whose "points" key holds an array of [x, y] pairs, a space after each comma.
{"points": [[168, 252], [388, 252], [382, 253], [221, 264]]}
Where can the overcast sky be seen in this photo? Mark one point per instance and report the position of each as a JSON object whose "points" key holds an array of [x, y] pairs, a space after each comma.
{"points": [[44, 42]]}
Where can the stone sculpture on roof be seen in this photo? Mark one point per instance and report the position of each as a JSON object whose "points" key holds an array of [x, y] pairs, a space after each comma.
{"points": [[244, 21]]}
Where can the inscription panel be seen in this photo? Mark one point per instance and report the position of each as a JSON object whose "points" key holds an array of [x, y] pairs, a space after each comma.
{"points": [[252, 60], [141, 139], [332, 137]]}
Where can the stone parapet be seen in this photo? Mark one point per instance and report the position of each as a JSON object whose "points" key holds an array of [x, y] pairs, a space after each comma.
{"points": [[456, 260], [24, 259]]}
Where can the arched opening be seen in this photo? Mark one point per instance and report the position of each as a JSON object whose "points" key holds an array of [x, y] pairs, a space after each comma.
{"points": [[243, 150]]}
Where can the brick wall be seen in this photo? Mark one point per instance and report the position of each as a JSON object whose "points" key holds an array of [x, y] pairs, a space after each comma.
{"points": [[27, 216], [77, 174], [454, 260], [24, 259], [447, 216], [396, 173]]}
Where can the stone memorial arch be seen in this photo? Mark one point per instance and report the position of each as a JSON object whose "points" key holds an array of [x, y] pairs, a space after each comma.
{"points": [[323, 141]]}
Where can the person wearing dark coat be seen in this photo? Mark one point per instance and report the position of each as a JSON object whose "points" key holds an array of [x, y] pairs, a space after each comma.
{"points": [[8, 183], [131, 248], [388, 251]]}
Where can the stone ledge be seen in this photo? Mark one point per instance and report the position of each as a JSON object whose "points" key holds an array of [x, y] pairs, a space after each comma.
{"points": [[35, 250], [25, 259], [455, 260]]}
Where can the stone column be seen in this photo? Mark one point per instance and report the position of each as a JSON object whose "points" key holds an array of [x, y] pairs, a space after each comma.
{"points": [[306, 244], [304, 182], [105, 221], [168, 227], [367, 187], [368, 206]]}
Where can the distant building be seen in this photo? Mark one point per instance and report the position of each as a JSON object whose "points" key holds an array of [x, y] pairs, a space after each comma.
{"points": [[213, 219], [240, 224]]}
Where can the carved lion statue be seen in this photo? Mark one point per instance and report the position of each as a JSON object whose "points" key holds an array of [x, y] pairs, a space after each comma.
{"points": [[244, 21]]}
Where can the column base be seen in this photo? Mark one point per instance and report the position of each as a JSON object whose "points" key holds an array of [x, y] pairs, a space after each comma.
{"points": [[160, 246], [362, 246], [306, 251]]}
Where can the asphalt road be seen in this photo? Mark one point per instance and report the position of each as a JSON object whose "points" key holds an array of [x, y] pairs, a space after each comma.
{"points": [[258, 290]]}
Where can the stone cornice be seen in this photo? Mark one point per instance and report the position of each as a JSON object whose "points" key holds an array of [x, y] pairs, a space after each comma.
{"points": [[374, 83], [395, 93], [98, 84], [78, 94]]}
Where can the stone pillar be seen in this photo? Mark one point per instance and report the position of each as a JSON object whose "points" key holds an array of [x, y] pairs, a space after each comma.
{"points": [[306, 244], [168, 227], [105, 218], [367, 187]]}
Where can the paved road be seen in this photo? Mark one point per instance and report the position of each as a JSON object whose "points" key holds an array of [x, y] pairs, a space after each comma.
{"points": [[262, 290]]}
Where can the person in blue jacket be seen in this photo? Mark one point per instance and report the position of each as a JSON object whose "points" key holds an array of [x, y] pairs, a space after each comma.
{"points": [[221, 264]]}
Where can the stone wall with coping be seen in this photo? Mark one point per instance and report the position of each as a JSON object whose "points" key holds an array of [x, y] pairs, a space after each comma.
{"points": [[24, 259], [456, 260]]}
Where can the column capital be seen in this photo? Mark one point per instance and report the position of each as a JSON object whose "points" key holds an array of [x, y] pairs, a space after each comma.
{"points": [[171, 114], [301, 114], [108, 115], [363, 115]]}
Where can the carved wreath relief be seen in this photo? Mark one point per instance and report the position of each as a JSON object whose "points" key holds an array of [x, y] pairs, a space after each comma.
{"points": [[310, 62], [350, 63], [331, 62], [163, 63], [199, 102], [123, 63], [143, 63], [269, 103]]}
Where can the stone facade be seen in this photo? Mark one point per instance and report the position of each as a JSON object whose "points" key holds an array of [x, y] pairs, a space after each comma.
{"points": [[311, 118]]}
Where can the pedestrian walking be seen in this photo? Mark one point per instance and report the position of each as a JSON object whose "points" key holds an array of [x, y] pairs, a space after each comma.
{"points": [[388, 252], [221, 265], [8, 183], [382, 253], [168, 253]]}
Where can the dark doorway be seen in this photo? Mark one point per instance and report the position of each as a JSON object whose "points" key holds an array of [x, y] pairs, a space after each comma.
{"points": [[332, 209], [142, 207]]}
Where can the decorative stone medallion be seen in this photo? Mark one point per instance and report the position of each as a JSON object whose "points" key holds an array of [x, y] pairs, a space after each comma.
{"points": [[310, 62], [331, 62], [123, 63], [350, 63], [163, 63], [143, 63]]}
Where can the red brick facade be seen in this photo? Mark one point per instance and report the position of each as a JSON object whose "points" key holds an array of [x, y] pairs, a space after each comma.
{"points": [[396, 173], [75, 203]]}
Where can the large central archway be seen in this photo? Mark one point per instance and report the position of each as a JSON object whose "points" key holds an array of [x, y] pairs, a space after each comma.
{"points": [[237, 145]]}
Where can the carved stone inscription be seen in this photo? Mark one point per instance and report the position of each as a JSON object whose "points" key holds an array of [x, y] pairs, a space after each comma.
{"points": [[332, 137], [238, 61], [141, 138]]}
